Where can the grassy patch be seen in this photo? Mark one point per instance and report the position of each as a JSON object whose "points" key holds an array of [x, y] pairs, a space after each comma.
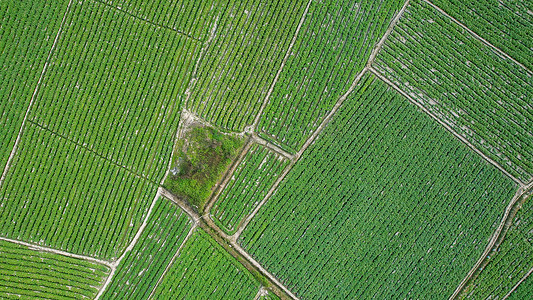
{"points": [[201, 157]]}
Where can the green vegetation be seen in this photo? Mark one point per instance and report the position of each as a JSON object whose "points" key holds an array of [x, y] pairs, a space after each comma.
{"points": [[188, 17], [202, 156], [250, 182], [524, 290], [32, 274], [385, 201], [137, 274], [27, 32], [333, 46], [249, 43], [505, 24], [269, 296], [483, 96], [115, 85], [61, 195], [204, 270], [509, 263]]}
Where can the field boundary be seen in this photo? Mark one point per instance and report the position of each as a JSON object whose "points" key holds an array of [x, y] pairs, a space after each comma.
{"points": [[518, 284], [501, 52], [59, 252], [287, 54], [189, 234], [446, 126], [32, 99]]}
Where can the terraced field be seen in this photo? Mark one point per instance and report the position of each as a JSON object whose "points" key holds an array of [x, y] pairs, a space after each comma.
{"points": [[223, 149]]}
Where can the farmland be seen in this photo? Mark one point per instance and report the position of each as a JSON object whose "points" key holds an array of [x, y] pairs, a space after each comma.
{"points": [[77, 202], [483, 96], [203, 269], [505, 24], [333, 46], [510, 262], [142, 267], [351, 205], [308, 149], [25, 41], [31, 274], [231, 82], [241, 196]]}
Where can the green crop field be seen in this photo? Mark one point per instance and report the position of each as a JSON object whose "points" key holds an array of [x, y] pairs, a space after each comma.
{"points": [[510, 262], [30, 274], [242, 195], [224, 149], [142, 267], [204, 270], [404, 230], [482, 95]]}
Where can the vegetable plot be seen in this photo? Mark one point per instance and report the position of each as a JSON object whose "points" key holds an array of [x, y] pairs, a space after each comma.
{"points": [[141, 268], [60, 195], [250, 183], [484, 97], [32, 274], [333, 46], [115, 85], [385, 204], [204, 270], [27, 32]]}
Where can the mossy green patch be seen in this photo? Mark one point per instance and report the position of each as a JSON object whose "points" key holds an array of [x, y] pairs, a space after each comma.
{"points": [[199, 161]]}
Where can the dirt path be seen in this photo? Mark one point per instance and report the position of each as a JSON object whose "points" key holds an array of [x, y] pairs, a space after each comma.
{"points": [[272, 147], [516, 285], [229, 245], [287, 54], [14, 150], [478, 37], [191, 231]]}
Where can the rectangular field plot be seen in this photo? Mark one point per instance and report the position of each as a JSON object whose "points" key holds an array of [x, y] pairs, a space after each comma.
{"points": [[237, 69], [386, 202], [31, 274], [204, 270], [190, 17], [484, 97], [333, 46], [250, 183], [505, 24], [509, 263], [27, 32], [137, 274], [114, 85], [60, 195]]}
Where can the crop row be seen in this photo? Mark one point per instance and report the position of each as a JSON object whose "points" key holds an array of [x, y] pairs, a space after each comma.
{"points": [[509, 263], [204, 270], [26, 273], [141, 268], [237, 69], [524, 290], [115, 85], [190, 17], [333, 46], [505, 24], [385, 202], [483, 96], [27, 33], [249, 184], [60, 195]]}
